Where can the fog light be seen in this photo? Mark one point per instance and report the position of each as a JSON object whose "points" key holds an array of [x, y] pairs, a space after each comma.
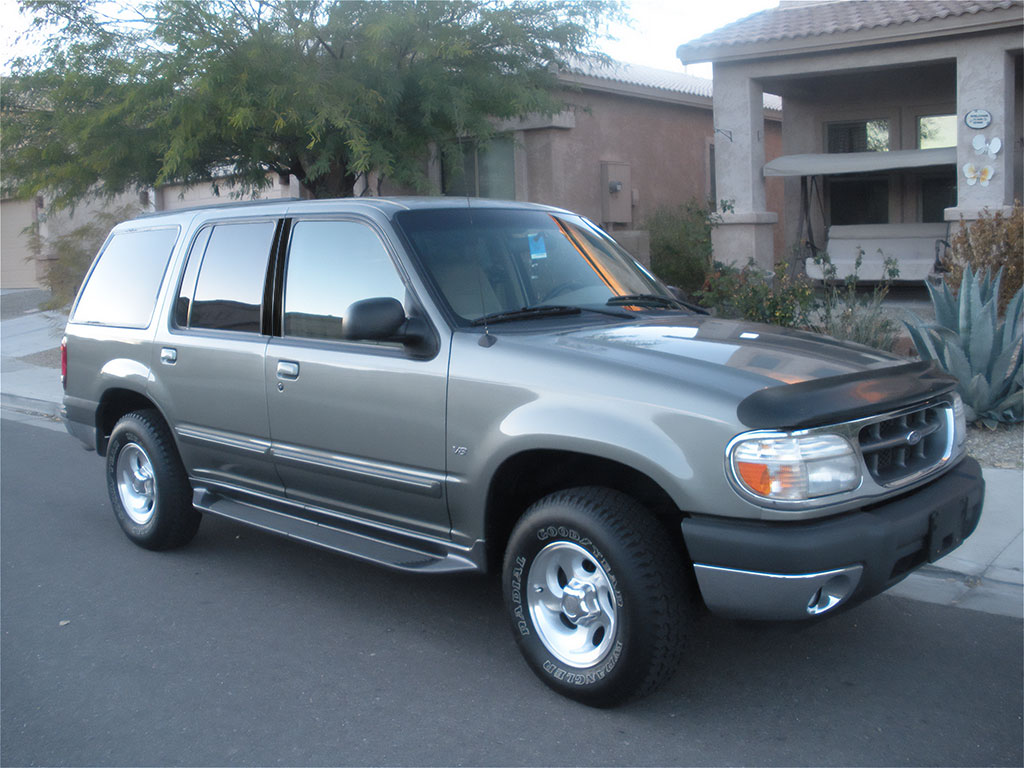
{"points": [[830, 595]]}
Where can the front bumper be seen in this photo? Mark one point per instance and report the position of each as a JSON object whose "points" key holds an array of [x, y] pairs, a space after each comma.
{"points": [[770, 570]]}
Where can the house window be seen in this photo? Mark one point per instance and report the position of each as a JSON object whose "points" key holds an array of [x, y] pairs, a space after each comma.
{"points": [[938, 192], [935, 131], [480, 170], [858, 200], [859, 136]]}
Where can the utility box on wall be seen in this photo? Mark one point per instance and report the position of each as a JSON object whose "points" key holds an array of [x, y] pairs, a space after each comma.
{"points": [[616, 193]]}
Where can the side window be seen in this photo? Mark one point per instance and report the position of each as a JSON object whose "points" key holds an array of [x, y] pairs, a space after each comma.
{"points": [[228, 267], [331, 265], [122, 288]]}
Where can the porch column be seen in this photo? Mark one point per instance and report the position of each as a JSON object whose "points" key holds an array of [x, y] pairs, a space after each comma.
{"points": [[984, 81], [747, 231]]}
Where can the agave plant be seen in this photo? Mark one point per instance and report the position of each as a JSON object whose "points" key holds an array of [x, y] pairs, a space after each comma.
{"points": [[968, 341]]}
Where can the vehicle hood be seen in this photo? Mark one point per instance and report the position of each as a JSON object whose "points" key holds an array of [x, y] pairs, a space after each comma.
{"points": [[772, 376], [775, 355]]}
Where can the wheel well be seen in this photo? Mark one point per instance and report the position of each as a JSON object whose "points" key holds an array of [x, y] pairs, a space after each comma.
{"points": [[114, 404], [526, 477]]}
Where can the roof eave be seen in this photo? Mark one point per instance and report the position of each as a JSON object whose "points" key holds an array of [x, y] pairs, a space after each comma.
{"points": [[954, 26], [602, 85]]}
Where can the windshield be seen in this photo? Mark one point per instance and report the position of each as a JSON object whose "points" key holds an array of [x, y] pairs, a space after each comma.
{"points": [[489, 262]]}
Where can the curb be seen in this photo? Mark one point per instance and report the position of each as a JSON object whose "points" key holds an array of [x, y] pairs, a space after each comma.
{"points": [[31, 405], [930, 584]]}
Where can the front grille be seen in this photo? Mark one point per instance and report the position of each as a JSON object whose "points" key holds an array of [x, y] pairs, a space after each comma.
{"points": [[907, 445]]}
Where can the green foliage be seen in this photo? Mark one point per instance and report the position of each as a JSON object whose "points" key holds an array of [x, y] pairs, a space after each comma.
{"points": [[753, 294], [790, 301], [681, 243], [69, 255], [126, 96], [969, 342], [992, 242], [843, 313]]}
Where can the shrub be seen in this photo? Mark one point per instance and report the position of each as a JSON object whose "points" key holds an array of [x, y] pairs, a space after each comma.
{"points": [[681, 243], [969, 342], [753, 294], [69, 255], [843, 313], [991, 243]]}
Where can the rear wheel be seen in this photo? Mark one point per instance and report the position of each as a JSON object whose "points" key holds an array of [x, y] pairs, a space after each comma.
{"points": [[148, 487], [597, 596]]}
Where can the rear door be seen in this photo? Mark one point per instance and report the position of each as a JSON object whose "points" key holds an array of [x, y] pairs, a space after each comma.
{"points": [[210, 363], [357, 427]]}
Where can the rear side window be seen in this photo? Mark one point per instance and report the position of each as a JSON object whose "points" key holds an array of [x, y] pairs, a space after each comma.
{"points": [[122, 289], [222, 288]]}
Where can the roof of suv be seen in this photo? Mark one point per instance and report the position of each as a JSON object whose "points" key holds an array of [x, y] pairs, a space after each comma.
{"points": [[385, 205]]}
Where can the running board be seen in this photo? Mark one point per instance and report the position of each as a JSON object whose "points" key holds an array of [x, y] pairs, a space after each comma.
{"points": [[382, 545]]}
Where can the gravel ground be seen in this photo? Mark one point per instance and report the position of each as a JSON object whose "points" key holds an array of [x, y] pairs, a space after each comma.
{"points": [[1002, 448]]}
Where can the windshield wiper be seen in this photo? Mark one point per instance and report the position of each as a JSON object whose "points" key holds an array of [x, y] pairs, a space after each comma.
{"points": [[527, 312], [643, 300]]}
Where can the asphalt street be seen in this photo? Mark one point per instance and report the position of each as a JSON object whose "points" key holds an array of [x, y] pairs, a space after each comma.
{"points": [[247, 649]]}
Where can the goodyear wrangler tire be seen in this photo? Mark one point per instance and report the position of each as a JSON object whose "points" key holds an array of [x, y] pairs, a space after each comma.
{"points": [[148, 486], [596, 594]]}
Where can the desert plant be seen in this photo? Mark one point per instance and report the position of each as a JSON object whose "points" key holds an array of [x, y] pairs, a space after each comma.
{"points": [[992, 242], [970, 342], [681, 243], [753, 294], [69, 255], [843, 313]]}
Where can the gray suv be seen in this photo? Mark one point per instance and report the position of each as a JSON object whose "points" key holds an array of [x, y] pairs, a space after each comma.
{"points": [[442, 385]]}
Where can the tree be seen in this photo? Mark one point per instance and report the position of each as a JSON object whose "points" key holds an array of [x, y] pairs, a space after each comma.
{"points": [[178, 91]]}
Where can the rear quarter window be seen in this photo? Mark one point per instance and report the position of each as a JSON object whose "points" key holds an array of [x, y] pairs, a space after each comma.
{"points": [[122, 288]]}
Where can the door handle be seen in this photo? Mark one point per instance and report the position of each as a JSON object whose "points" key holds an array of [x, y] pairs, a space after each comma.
{"points": [[287, 369], [168, 355]]}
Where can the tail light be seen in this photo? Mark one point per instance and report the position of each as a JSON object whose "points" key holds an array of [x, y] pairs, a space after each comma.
{"points": [[64, 363]]}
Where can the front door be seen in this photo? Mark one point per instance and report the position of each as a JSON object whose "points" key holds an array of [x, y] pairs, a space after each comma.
{"points": [[357, 427]]}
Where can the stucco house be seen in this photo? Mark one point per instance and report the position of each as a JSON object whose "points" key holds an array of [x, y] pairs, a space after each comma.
{"points": [[901, 118], [631, 139]]}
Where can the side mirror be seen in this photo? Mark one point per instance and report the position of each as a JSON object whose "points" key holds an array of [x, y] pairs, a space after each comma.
{"points": [[373, 320], [383, 319]]}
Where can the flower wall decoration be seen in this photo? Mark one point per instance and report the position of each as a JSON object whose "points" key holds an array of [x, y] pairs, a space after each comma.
{"points": [[991, 148]]}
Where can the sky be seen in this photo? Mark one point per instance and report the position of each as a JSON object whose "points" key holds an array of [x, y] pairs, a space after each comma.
{"points": [[660, 26], [663, 25]]}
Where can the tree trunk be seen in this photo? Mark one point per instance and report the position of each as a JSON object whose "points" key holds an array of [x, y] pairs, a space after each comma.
{"points": [[335, 183]]}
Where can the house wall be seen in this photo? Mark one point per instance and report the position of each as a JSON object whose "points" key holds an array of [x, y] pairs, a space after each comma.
{"points": [[19, 269], [173, 197], [665, 145]]}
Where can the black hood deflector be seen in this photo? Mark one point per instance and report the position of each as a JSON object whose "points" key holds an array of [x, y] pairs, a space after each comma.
{"points": [[843, 398]]}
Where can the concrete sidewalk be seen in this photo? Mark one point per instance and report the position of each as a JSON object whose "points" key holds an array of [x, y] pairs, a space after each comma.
{"points": [[986, 573]]}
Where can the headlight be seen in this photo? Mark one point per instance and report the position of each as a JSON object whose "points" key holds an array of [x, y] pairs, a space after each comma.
{"points": [[786, 468]]}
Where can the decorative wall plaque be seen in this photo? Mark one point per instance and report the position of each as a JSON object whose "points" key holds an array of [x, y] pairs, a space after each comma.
{"points": [[978, 119]]}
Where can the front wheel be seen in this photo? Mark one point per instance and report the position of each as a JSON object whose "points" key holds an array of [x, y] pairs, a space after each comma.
{"points": [[148, 486], [597, 595]]}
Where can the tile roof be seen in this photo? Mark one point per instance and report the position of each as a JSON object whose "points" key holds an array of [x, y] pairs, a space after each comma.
{"points": [[792, 20], [657, 79]]}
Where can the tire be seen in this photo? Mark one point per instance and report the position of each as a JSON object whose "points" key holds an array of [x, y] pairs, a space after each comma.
{"points": [[148, 486], [597, 596]]}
